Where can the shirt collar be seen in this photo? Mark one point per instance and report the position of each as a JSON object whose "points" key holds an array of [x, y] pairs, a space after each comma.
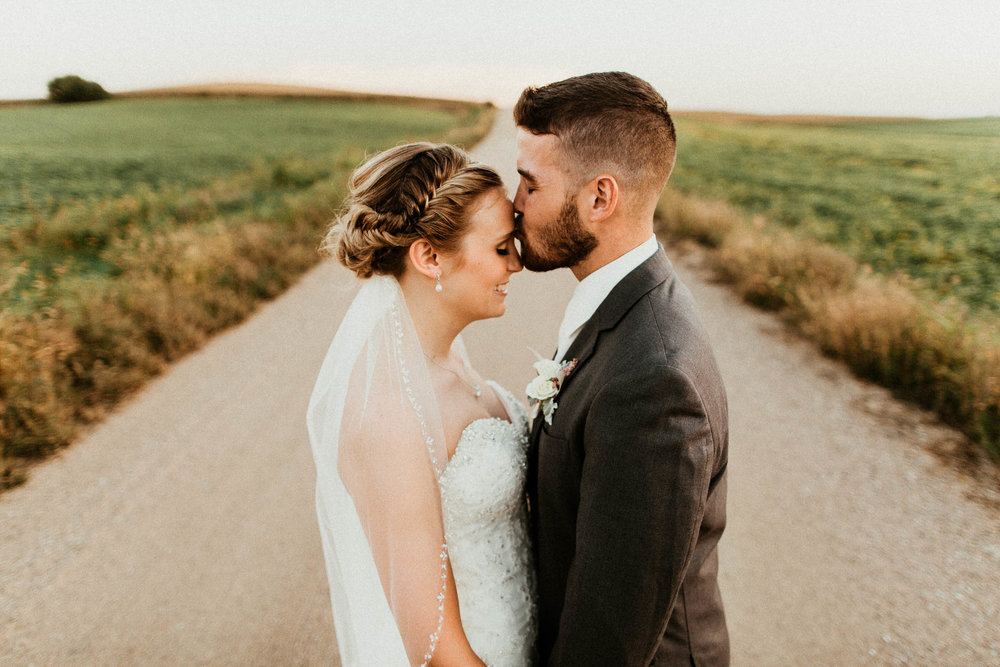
{"points": [[592, 290]]}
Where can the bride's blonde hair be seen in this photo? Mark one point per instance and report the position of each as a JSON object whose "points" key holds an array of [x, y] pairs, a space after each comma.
{"points": [[410, 192]]}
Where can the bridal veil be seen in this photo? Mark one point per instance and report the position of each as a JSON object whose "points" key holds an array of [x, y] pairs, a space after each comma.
{"points": [[379, 448]]}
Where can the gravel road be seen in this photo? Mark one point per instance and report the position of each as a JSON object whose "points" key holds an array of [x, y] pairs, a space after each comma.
{"points": [[182, 529]]}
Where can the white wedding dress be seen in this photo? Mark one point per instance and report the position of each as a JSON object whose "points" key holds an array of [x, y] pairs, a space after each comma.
{"points": [[486, 525], [382, 498]]}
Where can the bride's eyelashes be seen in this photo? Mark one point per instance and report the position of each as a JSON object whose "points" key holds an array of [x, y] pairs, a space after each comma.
{"points": [[508, 244]]}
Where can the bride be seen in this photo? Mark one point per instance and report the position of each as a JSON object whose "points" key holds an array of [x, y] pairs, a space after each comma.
{"points": [[420, 463]]}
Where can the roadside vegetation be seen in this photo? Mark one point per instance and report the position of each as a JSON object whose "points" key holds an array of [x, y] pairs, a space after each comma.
{"points": [[878, 241], [135, 229]]}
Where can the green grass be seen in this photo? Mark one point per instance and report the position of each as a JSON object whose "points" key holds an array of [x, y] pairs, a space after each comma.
{"points": [[917, 197], [50, 154], [62, 166], [135, 229]]}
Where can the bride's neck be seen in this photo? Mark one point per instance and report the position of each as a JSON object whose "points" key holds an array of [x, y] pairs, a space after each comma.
{"points": [[437, 327]]}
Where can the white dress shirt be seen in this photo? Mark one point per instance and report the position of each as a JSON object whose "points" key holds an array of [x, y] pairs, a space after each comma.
{"points": [[592, 290]]}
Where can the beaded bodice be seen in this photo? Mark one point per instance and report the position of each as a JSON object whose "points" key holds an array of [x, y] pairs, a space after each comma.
{"points": [[485, 520]]}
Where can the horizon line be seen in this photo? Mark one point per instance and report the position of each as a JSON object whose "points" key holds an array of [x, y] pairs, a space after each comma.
{"points": [[264, 89]]}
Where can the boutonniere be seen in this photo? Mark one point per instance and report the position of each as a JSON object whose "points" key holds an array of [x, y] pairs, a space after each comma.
{"points": [[543, 389]]}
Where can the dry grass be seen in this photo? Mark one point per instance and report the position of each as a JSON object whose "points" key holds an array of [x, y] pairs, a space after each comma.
{"points": [[886, 328], [272, 90], [68, 363]]}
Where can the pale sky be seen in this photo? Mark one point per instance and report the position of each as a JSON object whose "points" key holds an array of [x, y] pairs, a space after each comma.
{"points": [[927, 58]]}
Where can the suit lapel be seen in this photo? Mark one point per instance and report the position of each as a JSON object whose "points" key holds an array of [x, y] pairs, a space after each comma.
{"points": [[632, 287], [536, 427]]}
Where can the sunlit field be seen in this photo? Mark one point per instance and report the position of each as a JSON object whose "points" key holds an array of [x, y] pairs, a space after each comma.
{"points": [[53, 153], [878, 240], [921, 197], [59, 162], [134, 229]]}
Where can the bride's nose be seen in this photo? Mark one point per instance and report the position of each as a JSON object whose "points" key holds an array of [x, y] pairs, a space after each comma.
{"points": [[514, 260]]}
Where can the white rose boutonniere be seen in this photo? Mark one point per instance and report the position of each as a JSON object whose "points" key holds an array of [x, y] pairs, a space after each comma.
{"points": [[543, 389]]}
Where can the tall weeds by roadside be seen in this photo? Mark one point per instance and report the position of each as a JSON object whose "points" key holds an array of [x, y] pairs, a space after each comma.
{"points": [[102, 294], [887, 329]]}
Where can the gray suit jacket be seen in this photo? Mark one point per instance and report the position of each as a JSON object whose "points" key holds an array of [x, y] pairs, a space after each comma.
{"points": [[627, 486]]}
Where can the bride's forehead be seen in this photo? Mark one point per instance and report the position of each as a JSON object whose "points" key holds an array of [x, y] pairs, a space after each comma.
{"points": [[493, 210], [495, 218]]}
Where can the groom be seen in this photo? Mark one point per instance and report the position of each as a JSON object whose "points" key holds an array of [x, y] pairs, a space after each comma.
{"points": [[627, 480]]}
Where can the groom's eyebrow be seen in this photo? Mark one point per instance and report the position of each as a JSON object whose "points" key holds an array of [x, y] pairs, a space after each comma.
{"points": [[527, 175]]}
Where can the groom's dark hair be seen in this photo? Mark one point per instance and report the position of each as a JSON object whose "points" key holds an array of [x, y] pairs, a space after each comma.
{"points": [[606, 122]]}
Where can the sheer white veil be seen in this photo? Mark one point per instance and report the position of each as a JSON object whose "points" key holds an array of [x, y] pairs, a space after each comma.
{"points": [[379, 448]]}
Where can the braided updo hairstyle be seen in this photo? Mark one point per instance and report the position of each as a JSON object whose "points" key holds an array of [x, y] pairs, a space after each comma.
{"points": [[403, 194]]}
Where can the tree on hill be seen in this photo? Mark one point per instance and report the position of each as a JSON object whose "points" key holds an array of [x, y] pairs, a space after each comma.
{"points": [[74, 89]]}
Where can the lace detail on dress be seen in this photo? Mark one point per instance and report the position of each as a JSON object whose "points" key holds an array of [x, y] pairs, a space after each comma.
{"points": [[486, 527]]}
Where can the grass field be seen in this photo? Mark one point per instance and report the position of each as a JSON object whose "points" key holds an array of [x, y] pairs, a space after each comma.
{"points": [[56, 156], [878, 240], [51, 154], [920, 197], [134, 229]]}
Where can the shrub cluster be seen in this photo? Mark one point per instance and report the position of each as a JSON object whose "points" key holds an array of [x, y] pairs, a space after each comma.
{"points": [[887, 329], [74, 89]]}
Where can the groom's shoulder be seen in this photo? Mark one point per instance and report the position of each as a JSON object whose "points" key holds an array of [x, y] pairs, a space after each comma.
{"points": [[669, 309], [652, 313], [663, 327]]}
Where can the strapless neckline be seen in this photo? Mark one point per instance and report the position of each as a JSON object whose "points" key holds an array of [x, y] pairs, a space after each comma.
{"points": [[470, 427], [504, 397]]}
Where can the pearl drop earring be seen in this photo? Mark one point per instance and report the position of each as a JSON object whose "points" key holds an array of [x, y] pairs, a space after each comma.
{"points": [[437, 287]]}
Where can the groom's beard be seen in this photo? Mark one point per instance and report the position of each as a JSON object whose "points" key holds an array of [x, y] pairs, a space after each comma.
{"points": [[559, 244]]}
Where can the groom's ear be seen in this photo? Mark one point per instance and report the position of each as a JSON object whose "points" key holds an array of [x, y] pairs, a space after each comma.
{"points": [[424, 258], [604, 196]]}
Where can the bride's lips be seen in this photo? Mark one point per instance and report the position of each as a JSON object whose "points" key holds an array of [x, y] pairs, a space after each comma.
{"points": [[501, 289]]}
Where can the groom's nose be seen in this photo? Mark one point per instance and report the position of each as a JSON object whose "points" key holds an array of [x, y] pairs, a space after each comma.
{"points": [[519, 201]]}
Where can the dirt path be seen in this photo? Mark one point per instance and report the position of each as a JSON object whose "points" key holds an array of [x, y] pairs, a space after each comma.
{"points": [[182, 531]]}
